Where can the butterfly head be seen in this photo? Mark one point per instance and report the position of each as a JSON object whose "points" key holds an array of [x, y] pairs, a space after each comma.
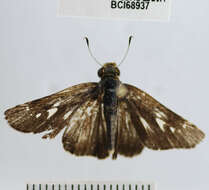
{"points": [[109, 69]]}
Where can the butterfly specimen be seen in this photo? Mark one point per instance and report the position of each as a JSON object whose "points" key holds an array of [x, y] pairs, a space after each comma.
{"points": [[105, 118]]}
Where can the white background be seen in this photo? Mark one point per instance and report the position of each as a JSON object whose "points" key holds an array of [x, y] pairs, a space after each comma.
{"points": [[41, 54]]}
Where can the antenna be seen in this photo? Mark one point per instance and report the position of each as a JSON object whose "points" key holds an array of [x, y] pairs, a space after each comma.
{"points": [[126, 53], [87, 42]]}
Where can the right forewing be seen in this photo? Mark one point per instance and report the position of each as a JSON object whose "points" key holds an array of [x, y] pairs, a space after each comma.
{"points": [[157, 126]]}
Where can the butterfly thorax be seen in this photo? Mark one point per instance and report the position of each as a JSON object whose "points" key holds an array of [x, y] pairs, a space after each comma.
{"points": [[109, 87]]}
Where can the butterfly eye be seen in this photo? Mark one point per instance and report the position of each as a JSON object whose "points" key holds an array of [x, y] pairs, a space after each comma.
{"points": [[100, 72], [117, 71]]}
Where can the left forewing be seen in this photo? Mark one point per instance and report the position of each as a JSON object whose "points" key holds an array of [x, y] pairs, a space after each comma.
{"points": [[157, 126], [50, 113]]}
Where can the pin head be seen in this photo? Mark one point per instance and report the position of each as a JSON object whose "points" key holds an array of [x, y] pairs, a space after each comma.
{"points": [[109, 69]]}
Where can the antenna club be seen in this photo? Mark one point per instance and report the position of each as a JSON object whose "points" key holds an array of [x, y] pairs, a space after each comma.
{"points": [[130, 38], [87, 41]]}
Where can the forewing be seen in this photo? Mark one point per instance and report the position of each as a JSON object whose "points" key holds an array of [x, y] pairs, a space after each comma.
{"points": [[87, 132], [50, 113], [128, 141], [157, 126]]}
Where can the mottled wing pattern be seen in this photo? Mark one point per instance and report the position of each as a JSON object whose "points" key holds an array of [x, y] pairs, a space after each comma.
{"points": [[157, 126], [128, 141], [87, 132], [51, 113]]}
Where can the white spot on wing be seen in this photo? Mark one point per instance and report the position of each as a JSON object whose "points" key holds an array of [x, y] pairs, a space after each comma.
{"points": [[56, 104], [160, 123], [67, 114], [187, 124], [145, 124], [172, 129], [126, 120], [27, 108], [159, 113], [88, 110], [139, 97], [38, 115], [51, 112]]}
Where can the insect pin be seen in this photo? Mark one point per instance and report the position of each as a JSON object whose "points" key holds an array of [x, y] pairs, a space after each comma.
{"points": [[105, 118]]}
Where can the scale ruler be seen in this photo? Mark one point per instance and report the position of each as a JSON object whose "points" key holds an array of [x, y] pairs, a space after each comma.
{"points": [[92, 186]]}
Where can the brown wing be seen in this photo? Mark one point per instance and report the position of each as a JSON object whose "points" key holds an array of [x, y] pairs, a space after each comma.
{"points": [[157, 126], [128, 142], [50, 113], [87, 133]]}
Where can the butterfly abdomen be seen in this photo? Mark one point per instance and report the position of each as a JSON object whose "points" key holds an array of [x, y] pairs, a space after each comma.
{"points": [[110, 101]]}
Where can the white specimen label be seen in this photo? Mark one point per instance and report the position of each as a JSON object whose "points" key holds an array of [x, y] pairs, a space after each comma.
{"points": [[121, 9]]}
